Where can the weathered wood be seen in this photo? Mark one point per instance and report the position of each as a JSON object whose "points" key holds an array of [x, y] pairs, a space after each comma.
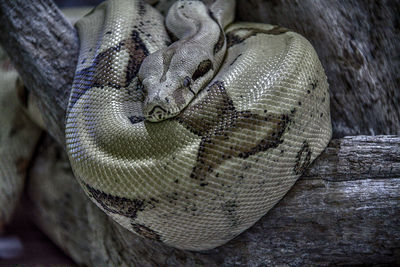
{"points": [[356, 42], [43, 47], [358, 60], [329, 217], [345, 210], [361, 157]]}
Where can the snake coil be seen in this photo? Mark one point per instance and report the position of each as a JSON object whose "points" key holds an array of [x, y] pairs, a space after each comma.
{"points": [[191, 142]]}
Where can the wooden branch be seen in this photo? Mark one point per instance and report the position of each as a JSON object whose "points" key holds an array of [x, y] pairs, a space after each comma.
{"points": [[43, 46], [361, 73], [360, 157], [355, 41], [344, 212]]}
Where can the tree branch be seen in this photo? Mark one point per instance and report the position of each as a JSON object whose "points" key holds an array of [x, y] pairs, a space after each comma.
{"points": [[329, 217], [355, 41], [361, 73], [345, 210], [43, 47]]}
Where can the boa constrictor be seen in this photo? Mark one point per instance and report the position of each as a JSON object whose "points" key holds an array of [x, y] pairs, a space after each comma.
{"points": [[191, 142]]}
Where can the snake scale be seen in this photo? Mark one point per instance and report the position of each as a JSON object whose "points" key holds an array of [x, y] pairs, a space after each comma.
{"points": [[189, 132]]}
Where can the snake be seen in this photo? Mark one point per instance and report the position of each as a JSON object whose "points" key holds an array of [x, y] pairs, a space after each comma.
{"points": [[190, 128]]}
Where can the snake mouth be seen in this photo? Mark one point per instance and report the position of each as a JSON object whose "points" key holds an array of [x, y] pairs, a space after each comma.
{"points": [[157, 109], [158, 113]]}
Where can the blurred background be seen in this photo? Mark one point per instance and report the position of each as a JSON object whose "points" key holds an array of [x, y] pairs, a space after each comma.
{"points": [[21, 242]]}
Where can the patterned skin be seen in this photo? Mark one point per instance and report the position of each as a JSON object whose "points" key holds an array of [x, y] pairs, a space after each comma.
{"points": [[187, 65], [232, 149]]}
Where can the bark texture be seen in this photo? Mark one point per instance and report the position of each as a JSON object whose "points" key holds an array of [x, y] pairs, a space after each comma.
{"points": [[356, 42], [43, 47], [343, 211], [331, 216]]}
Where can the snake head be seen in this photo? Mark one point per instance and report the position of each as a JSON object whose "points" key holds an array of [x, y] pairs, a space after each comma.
{"points": [[171, 77]]}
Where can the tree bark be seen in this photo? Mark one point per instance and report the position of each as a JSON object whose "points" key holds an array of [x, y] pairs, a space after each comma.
{"points": [[358, 59], [343, 211], [43, 47], [356, 43]]}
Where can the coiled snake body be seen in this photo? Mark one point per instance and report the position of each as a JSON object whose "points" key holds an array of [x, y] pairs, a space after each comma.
{"points": [[240, 109]]}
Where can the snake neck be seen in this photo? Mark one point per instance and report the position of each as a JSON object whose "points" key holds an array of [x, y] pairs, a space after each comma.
{"points": [[173, 76]]}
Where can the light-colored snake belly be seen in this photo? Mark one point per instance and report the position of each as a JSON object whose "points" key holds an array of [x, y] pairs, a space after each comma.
{"points": [[198, 179]]}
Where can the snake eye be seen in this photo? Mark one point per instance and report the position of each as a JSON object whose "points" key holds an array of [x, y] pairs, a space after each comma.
{"points": [[187, 81]]}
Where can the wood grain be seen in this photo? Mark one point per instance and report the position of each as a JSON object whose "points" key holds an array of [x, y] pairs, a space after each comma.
{"points": [[345, 210], [331, 216], [355, 41], [43, 47]]}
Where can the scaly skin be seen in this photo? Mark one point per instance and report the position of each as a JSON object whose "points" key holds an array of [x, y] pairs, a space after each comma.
{"points": [[198, 179]]}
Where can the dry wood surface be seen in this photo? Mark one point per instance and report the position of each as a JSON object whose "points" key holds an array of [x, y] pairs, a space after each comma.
{"points": [[344, 210]]}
